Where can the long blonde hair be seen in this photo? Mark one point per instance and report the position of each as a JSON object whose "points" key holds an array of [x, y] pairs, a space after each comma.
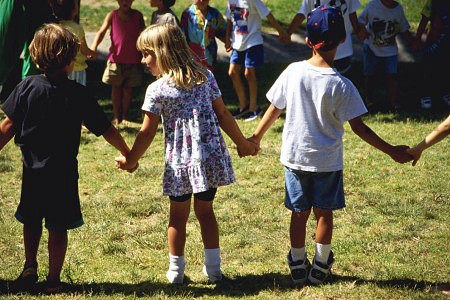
{"points": [[174, 58]]}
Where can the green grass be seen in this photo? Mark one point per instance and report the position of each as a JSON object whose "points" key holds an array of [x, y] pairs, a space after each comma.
{"points": [[390, 242], [93, 12]]}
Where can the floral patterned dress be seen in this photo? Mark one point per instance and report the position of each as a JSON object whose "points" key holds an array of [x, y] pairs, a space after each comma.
{"points": [[196, 156]]}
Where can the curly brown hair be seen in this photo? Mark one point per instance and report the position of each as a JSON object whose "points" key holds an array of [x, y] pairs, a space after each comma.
{"points": [[53, 48]]}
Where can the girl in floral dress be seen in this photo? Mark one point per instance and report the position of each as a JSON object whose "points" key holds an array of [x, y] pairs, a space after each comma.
{"points": [[188, 99]]}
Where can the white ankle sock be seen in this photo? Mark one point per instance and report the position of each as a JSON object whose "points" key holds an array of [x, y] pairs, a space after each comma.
{"points": [[177, 264], [298, 253], [212, 257], [322, 252], [212, 264]]}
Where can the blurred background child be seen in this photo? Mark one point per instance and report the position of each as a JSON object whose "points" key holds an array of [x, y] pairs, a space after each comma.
{"points": [[244, 39], [436, 49], [123, 69], [163, 14], [201, 25], [383, 21], [66, 11]]}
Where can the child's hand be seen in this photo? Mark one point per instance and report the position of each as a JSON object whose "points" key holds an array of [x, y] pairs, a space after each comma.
{"points": [[284, 37], [248, 148], [400, 154], [415, 152], [122, 163], [362, 33], [228, 47], [92, 55]]}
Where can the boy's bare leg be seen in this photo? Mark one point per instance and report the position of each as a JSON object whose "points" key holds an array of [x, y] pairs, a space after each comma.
{"points": [[116, 96], [178, 216], [127, 95], [324, 228], [57, 247], [208, 223], [297, 228], [250, 75], [235, 74], [392, 88], [31, 238]]}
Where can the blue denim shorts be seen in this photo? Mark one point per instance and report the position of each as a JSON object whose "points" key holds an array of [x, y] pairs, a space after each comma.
{"points": [[252, 57], [372, 62], [304, 190]]}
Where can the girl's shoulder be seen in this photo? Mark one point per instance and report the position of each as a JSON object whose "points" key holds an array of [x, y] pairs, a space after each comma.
{"points": [[160, 85]]}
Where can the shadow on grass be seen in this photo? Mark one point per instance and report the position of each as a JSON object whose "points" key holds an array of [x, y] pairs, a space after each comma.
{"points": [[239, 286]]}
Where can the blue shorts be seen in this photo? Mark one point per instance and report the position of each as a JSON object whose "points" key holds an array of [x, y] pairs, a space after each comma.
{"points": [[372, 62], [304, 190], [252, 57]]}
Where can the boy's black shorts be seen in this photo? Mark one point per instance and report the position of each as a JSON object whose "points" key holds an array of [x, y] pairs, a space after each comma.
{"points": [[51, 195]]}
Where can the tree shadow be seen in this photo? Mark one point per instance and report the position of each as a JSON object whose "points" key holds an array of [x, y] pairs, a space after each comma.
{"points": [[245, 285]]}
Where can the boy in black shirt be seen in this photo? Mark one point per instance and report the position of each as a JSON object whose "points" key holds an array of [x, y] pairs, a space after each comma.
{"points": [[45, 113]]}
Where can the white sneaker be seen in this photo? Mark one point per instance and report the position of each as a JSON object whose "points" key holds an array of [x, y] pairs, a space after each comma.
{"points": [[213, 273], [425, 102], [446, 99]]}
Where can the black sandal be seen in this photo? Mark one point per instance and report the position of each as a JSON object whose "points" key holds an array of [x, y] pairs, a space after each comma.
{"points": [[51, 288], [27, 278]]}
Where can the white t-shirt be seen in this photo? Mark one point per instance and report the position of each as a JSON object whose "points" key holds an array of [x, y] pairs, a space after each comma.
{"points": [[246, 17], [383, 24], [347, 7], [318, 101]]}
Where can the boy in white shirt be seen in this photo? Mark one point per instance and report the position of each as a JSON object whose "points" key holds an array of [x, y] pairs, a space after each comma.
{"points": [[342, 61], [383, 20], [318, 100], [244, 38]]}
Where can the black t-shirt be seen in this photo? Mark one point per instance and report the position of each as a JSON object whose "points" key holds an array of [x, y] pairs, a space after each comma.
{"points": [[47, 118]]}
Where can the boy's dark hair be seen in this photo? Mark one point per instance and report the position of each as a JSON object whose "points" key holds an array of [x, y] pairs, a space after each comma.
{"points": [[325, 27], [168, 3], [53, 47], [63, 9]]}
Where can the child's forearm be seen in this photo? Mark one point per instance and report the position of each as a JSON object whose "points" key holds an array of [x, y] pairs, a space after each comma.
{"points": [[438, 134], [231, 128], [370, 137], [354, 20], [97, 40], [6, 132], [275, 23], [113, 137], [269, 117], [397, 153], [228, 32], [141, 144], [421, 28], [295, 23]]}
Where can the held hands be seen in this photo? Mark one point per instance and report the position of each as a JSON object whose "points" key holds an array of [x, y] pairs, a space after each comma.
{"points": [[122, 163], [362, 33], [228, 47], [399, 154], [248, 148], [284, 37], [415, 152]]}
